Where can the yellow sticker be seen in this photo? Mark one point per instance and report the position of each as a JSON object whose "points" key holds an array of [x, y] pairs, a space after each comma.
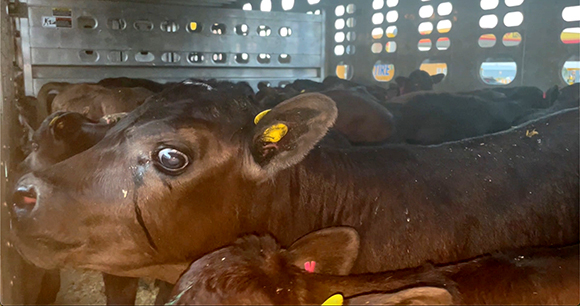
{"points": [[334, 300], [53, 120], [531, 133], [275, 133], [260, 116], [193, 26]]}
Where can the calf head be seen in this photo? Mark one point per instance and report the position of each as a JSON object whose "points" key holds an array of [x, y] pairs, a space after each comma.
{"points": [[257, 270], [269, 97], [569, 96], [148, 194], [418, 80], [62, 135]]}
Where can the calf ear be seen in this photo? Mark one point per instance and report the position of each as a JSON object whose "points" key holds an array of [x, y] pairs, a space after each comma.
{"points": [[262, 85], [331, 250], [65, 125], [401, 81], [413, 296], [552, 94], [436, 79], [289, 131]]}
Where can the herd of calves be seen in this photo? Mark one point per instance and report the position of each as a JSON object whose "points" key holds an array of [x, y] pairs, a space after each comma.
{"points": [[67, 119]]}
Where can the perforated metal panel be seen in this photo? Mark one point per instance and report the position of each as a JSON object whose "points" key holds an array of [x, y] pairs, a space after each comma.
{"points": [[83, 41], [539, 56]]}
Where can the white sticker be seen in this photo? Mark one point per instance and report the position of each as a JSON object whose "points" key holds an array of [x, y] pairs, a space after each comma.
{"points": [[48, 22]]}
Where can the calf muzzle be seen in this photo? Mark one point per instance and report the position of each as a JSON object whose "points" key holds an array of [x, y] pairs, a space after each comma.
{"points": [[24, 199]]}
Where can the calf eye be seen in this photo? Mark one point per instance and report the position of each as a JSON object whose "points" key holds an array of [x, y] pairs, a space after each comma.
{"points": [[172, 160]]}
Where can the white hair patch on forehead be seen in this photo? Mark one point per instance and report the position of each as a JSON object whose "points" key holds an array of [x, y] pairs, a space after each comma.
{"points": [[189, 82]]}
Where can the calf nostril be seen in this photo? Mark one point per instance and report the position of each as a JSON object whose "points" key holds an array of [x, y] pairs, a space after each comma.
{"points": [[25, 198]]}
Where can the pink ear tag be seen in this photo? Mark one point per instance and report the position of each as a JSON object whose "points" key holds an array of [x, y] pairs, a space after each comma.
{"points": [[309, 266]]}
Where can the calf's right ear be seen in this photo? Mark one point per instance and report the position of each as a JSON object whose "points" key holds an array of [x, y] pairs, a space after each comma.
{"points": [[413, 296], [283, 136], [331, 251], [436, 79], [65, 125]]}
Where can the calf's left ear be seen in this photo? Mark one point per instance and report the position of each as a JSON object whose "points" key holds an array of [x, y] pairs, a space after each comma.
{"points": [[331, 250], [413, 296], [436, 79], [283, 136]]}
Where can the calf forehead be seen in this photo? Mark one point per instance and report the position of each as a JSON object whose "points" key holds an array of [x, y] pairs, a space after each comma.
{"points": [[187, 104]]}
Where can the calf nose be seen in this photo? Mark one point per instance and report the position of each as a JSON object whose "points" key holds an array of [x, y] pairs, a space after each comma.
{"points": [[24, 199]]}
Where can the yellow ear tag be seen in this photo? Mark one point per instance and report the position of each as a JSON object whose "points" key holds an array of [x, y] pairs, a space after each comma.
{"points": [[260, 116], [53, 120], [303, 90], [275, 133], [334, 300]]}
